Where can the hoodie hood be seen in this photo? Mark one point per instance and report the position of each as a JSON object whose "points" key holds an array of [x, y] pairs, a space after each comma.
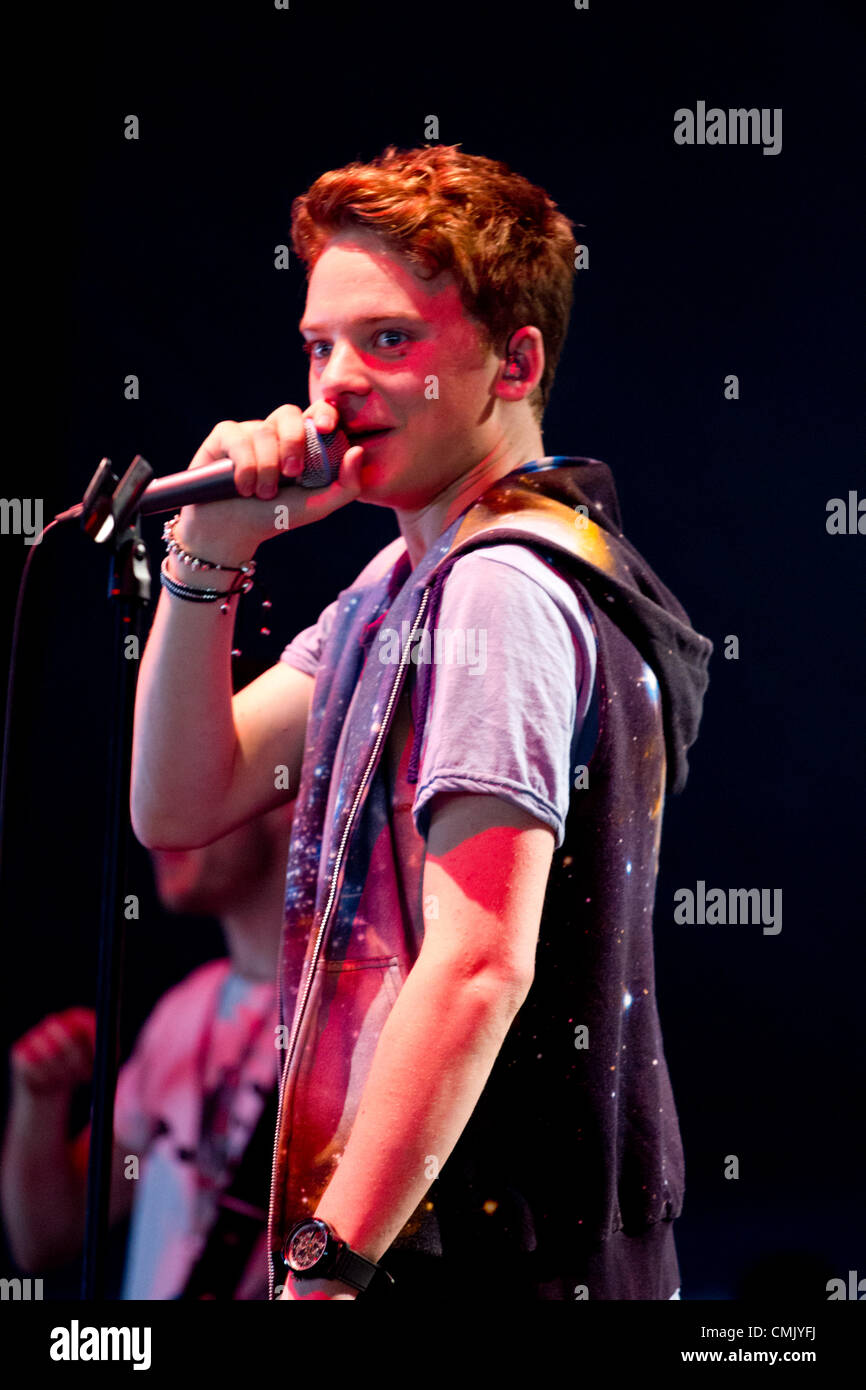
{"points": [[568, 507]]}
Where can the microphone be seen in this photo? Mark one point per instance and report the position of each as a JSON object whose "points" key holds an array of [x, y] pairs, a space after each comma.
{"points": [[215, 482]]}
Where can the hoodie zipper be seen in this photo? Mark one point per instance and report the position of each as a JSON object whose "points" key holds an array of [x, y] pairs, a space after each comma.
{"points": [[299, 1013]]}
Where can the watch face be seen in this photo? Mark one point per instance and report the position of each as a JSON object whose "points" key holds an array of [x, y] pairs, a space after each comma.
{"points": [[307, 1245]]}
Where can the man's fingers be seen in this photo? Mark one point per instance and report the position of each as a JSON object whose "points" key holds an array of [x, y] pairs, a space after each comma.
{"points": [[266, 443], [349, 476], [228, 439], [323, 415], [289, 424]]}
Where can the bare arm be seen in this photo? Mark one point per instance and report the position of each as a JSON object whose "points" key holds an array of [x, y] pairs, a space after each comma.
{"points": [[204, 761], [43, 1184], [44, 1188]]}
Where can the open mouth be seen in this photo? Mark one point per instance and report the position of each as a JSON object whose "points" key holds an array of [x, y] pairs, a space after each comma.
{"points": [[362, 436]]}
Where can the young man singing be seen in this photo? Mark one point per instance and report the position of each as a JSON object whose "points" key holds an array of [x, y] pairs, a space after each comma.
{"points": [[479, 732]]}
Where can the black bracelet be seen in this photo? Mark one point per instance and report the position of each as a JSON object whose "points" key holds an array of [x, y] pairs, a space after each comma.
{"points": [[202, 595]]}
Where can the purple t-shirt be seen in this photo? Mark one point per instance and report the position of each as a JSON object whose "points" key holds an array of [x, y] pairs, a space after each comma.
{"points": [[505, 613]]}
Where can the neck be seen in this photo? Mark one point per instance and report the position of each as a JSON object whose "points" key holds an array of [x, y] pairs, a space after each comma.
{"points": [[252, 929], [420, 528]]}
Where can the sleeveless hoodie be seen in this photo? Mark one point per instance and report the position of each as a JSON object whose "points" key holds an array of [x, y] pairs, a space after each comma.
{"points": [[575, 1135]]}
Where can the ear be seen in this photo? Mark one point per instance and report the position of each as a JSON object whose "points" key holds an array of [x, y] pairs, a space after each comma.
{"points": [[526, 345]]}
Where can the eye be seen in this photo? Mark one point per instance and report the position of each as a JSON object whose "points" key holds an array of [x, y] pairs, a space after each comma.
{"points": [[392, 333], [397, 337]]}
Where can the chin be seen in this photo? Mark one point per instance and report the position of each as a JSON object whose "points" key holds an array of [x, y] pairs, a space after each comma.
{"points": [[377, 484], [372, 501]]}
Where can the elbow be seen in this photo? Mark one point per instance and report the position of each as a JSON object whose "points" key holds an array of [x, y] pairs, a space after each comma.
{"points": [[151, 837], [502, 984], [512, 992], [156, 822], [146, 826], [148, 834], [155, 832], [497, 992], [503, 979], [144, 833], [164, 840]]}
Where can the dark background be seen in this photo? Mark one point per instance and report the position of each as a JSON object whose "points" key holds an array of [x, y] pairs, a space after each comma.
{"points": [[156, 257]]}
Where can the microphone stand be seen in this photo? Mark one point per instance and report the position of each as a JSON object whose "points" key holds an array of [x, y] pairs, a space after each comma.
{"points": [[106, 516]]}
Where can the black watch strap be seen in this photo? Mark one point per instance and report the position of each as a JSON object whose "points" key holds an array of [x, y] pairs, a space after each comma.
{"points": [[357, 1270]]}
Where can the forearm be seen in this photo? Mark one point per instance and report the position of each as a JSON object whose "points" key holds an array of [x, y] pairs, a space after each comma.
{"points": [[43, 1193], [184, 738], [433, 1058]]}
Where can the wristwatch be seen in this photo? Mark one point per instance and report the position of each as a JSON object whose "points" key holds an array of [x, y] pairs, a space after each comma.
{"points": [[313, 1250]]}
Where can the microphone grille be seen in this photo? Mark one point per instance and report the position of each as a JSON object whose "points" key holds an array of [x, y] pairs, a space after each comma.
{"points": [[323, 455]]}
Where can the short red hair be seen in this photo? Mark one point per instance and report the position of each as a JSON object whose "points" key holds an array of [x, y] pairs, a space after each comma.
{"points": [[509, 248]]}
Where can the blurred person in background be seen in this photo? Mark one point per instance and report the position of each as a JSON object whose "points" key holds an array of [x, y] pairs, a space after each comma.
{"points": [[195, 1103]]}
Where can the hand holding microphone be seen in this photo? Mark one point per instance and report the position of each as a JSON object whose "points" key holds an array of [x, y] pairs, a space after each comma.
{"points": [[265, 454]]}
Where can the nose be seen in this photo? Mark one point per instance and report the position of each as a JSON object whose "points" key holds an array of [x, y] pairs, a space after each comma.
{"points": [[343, 372]]}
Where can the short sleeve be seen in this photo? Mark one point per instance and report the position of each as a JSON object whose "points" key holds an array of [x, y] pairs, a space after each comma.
{"points": [[305, 650], [505, 719]]}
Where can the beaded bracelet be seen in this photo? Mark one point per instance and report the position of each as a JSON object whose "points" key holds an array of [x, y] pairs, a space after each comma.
{"points": [[187, 591], [195, 562]]}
